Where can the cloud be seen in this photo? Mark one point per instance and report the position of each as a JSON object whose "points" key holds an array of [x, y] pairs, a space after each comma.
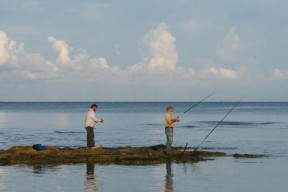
{"points": [[227, 50], [278, 74], [3, 45], [62, 48], [226, 73], [207, 73], [161, 45], [24, 65], [161, 61], [21, 64]]}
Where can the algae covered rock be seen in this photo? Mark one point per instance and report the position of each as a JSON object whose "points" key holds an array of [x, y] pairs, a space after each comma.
{"points": [[237, 155], [149, 155]]}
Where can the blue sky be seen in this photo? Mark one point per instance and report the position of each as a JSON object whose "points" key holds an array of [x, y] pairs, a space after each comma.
{"points": [[154, 50]]}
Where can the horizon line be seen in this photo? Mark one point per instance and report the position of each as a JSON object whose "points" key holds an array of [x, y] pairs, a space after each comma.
{"points": [[139, 101]]}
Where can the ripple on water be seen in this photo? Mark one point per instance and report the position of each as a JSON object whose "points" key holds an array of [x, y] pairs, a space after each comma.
{"points": [[237, 123], [69, 132]]}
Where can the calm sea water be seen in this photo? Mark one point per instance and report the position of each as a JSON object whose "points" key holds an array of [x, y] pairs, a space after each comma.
{"points": [[251, 128]]}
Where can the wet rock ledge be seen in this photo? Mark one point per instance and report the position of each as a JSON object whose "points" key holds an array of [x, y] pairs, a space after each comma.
{"points": [[122, 155]]}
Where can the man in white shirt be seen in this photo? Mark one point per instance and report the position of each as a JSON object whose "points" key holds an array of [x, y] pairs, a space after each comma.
{"points": [[90, 123]]}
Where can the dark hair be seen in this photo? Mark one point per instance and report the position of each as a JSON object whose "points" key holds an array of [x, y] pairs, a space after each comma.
{"points": [[94, 105], [169, 107]]}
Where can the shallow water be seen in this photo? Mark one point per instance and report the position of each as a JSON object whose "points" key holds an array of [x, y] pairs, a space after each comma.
{"points": [[223, 174], [252, 128]]}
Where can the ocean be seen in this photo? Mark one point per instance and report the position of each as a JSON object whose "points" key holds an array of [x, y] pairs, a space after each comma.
{"points": [[253, 127]]}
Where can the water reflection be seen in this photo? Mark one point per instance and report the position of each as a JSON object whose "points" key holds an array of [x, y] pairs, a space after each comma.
{"points": [[39, 169], [43, 169], [169, 187], [90, 180]]}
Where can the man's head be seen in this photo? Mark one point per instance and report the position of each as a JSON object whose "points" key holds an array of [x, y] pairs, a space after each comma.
{"points": [[94, 107], [169, 109]]}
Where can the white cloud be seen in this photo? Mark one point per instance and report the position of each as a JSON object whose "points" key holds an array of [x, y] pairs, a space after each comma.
{"points": [[277, 73], [3, 45], [34, 66], [207, 73], [22, 64], [100, 62], [162, 62], [62, 48], [227, 50], [161, 44], [225, 73]]}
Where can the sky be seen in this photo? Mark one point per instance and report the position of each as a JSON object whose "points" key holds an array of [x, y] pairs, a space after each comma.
{"points": [[153, 50]]}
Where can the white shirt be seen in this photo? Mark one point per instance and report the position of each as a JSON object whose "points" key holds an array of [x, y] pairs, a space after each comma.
{"points": [[91, 120]]}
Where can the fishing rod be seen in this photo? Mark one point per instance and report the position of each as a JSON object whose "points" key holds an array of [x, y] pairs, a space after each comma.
{"points": [[196, 104], [219, 123]]}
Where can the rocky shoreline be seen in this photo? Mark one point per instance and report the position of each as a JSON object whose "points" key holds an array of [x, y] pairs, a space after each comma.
{"points": [[123, 155]]}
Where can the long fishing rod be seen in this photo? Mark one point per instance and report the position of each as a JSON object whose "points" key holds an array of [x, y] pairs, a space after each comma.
{"points": [[196, 104], [219, 123]]}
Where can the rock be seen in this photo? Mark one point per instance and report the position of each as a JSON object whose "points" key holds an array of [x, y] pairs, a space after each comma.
{"points": [[237, 155], [150, 155], [157, 147]]}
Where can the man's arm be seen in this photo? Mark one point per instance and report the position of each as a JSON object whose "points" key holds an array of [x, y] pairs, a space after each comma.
{"points": [[98, 120], [171, 120], [95, 119]]}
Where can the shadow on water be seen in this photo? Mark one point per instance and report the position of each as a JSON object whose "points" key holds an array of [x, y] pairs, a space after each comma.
{"points": [[188, 126], [90, 179], [38, 169], [237, 123], [169, 186], [42, 169], [90, 183], [69, 132]]}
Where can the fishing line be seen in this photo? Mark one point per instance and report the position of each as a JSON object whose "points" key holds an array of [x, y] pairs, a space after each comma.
{"points": [[219, 123], [193, 106], [196, 104]]}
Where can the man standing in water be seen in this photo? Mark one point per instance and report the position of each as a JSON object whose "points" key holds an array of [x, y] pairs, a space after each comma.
{"points": [[90, 123], [169, 125]]}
